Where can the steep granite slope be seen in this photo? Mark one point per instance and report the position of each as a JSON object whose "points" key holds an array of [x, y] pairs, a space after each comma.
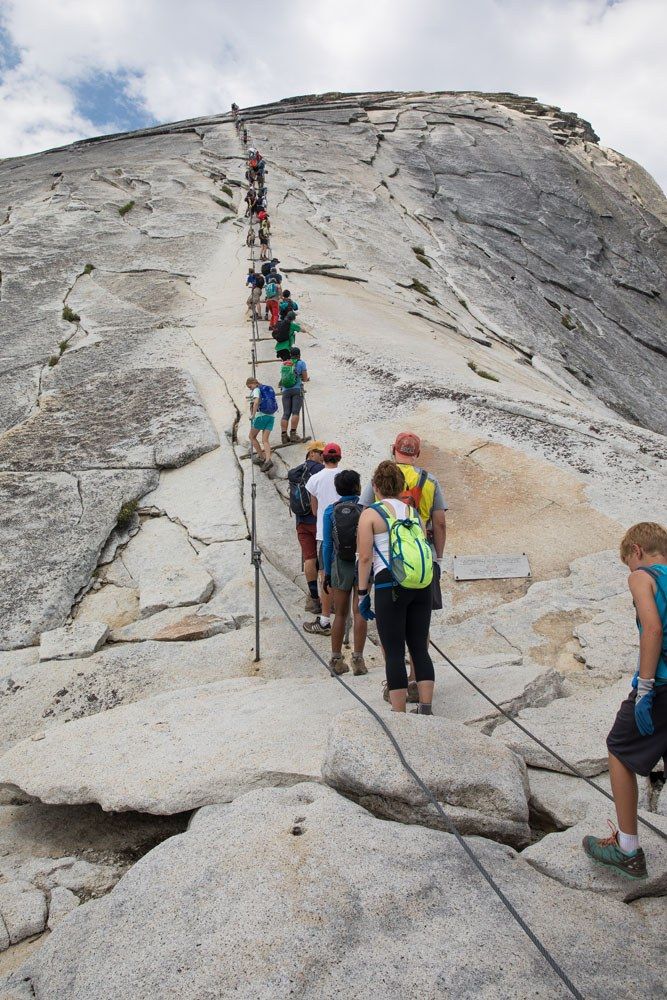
{"points": [[474, 267]]}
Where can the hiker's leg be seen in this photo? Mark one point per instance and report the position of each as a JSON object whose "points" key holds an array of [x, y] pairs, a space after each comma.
{"points": [[287, 409], [266, 445], [390, 609], [325, 598], [341, 604], [255, 443], [297, 403], [624, 789], [310, 570], [417, 624], [359, 626]]}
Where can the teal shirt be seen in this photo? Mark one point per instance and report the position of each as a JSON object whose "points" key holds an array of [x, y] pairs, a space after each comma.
{"points": [[658, 572]]}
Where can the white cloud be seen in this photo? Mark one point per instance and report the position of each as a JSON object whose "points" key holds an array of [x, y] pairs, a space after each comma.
{"points": [[605, 61]]}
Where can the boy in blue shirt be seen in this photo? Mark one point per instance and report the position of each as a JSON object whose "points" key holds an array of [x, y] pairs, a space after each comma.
{"points": [[638, 738]]}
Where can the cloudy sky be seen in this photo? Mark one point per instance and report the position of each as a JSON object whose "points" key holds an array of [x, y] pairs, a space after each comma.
{"points": [[73, 68]]}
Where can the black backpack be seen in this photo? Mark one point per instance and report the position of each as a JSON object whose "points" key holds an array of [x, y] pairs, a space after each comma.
{"points": [[299, 497], [344, 520], [281, 330]]}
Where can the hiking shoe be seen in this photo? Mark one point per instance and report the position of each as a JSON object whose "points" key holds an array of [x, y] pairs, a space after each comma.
{"points": [[422, 710], [316, 628], [413, 693], [294, 437], [605, 851], [266, 466], [385, 690], [337, 664], [358, 665], [314, 605], [256, 460], [284, 437]]}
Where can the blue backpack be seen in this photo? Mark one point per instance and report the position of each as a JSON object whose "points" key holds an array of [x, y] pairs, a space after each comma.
{"points": [[267, 400]]}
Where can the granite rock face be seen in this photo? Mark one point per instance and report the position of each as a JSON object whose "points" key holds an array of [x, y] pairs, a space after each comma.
{"points": [[334, 882]]}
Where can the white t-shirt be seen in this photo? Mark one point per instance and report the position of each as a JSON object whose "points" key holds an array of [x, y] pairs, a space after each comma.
{"points": [[321, 486]]}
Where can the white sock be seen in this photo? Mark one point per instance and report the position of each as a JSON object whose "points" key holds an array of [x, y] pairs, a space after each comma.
{"points": [[627, 843], [325, 620]]}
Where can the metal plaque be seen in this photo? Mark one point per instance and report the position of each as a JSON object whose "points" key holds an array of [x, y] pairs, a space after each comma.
{"points": [[491, 567]]}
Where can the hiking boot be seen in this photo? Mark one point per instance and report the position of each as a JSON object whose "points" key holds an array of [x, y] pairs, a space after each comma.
{"points": [[358, 665], [337, 664], [413, 693], [266, 466], [314, 605], [422, 710], [317, 628], [605, 851], [256, 460], [385, 691], [284, 437], [294, 437]]}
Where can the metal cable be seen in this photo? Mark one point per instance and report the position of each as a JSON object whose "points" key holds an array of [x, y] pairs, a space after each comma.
{"points": [[451, 828], [536, 739]]}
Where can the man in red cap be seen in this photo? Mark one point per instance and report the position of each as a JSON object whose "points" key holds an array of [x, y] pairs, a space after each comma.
{"points": [[322, 494], [424, 493]]}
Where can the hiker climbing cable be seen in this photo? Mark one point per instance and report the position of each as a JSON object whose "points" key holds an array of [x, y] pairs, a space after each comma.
{"points": [[293, 373], [339, 558], [424, 493], [287, 303], [306, 521], [285, 331], [323, 492], [262, 416], [638, 738], [392, 544]]}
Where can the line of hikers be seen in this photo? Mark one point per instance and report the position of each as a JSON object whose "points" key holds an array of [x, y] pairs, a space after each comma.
{"points": [[390, 536]]}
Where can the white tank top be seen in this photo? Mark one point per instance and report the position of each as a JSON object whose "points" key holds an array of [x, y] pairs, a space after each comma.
{"points": [[381, 540]]}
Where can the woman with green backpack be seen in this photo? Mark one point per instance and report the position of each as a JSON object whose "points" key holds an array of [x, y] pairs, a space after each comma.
{"points": [[391, 543]]}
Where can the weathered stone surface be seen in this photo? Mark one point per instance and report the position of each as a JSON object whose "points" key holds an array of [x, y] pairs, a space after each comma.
{"points": [[175, 625], [575, 727], [183, 749], [62, 902], [23, 910], [116, 606], [330, 876], [561, 856], [73, 641], [165, 567], [53, 529], [481, 790], [563, 800]]}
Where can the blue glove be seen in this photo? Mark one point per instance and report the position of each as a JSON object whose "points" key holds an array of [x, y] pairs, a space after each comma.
{"points": [[644, 708], [365, 608]]}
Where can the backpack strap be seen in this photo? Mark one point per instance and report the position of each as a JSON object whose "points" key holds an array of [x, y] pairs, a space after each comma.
{"points": [[384, 515]]}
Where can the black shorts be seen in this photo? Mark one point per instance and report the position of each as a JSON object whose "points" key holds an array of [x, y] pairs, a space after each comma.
{"points": [[640, 753]]}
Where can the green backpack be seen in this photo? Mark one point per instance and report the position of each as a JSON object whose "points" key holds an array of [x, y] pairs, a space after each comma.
{"points": [[288, 378], [410, 557]]}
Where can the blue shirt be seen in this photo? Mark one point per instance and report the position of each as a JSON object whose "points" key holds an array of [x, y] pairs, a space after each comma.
{"points": [[658, 572], [251, 280], [299, 369], [327, 538]]}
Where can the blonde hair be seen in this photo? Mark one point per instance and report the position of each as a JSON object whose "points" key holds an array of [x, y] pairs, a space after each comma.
{"points": [[648, 535]]}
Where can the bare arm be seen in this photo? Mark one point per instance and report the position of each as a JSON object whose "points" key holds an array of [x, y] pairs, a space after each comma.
{"points": [[365, 547], [313, 504], [650, 641], [439, 526]]}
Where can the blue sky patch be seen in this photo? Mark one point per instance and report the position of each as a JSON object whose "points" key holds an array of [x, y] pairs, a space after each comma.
{"points": [[103, 100], [9, 54]]}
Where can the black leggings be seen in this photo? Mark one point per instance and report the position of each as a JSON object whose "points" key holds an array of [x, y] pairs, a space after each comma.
{"points": [[403, 616]]}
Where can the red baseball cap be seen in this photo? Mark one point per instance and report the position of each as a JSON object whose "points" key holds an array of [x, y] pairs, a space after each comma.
{"points": [[407, 444], [332, 450]]}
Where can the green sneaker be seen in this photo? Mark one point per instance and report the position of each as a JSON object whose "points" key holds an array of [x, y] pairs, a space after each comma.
{"points": [[605, 851]]}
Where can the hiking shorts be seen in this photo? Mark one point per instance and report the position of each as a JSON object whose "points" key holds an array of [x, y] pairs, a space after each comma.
{"points": [[254, 297], [640, 753], [306, 535], [292, 402], [263, 422], [343, 574]]}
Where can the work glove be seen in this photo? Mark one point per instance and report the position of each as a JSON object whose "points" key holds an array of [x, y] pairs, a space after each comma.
{"points": [[644, 706], [326, 584], [365, 609]]}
